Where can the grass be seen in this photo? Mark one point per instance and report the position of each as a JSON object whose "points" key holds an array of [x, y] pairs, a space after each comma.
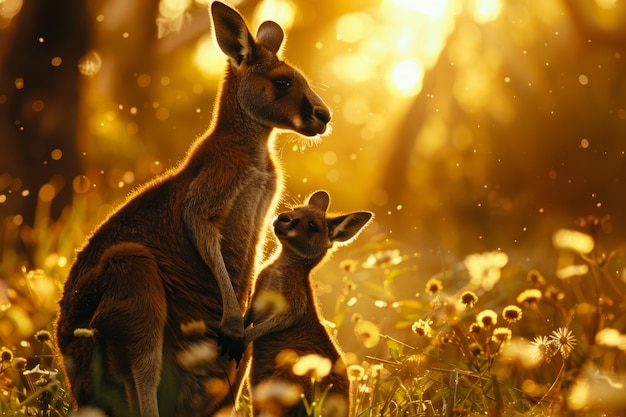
{"points": [[482, 337]]}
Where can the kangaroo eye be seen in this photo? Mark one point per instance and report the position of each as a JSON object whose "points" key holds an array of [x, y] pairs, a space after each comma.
{"points": [[281, 83], [313, 227]]}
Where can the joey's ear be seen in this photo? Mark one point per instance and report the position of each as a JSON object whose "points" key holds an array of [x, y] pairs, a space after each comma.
{"points": [[319, 199], [231, 32], [270, 35], [346, 227]]}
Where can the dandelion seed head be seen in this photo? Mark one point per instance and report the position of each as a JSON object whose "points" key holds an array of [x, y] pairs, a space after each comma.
{"points": [[564, 340]]}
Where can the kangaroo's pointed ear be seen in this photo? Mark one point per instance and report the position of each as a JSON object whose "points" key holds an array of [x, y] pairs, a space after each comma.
{"points": [[319, 199], [231, 33], [346, 227], [270, 35]]}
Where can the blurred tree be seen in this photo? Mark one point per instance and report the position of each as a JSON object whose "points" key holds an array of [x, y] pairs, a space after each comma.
{"points": [[39, 97]]}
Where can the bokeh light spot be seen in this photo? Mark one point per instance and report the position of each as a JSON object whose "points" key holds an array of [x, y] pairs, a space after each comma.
{"points": [[405, 78]]}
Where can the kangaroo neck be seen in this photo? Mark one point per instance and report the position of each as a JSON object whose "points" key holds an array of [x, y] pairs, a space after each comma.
{"points": [[232, 120]]}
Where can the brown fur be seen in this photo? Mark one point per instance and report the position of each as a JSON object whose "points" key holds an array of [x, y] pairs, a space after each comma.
{"points": [[183, 248], [283, 310]]}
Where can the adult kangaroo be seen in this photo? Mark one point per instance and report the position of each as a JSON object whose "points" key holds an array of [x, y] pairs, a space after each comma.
{"points": [[164, 279]]}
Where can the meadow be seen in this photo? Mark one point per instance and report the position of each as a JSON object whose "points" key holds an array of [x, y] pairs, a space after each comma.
{"points": [[483, 336]]}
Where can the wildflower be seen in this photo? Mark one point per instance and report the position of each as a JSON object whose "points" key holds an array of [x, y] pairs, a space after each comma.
{"points": [[384, 258], [422, 328], [484, 269], [512, 313], [411, 368], [538, 347], [196, 354], [468, 298], [43, 336], [318, 367], [475, 349], [554, 293], [572, 271], [564, 340], [611, 338], [348, 265], [501, 334], [445, 338], [434, 286], [355, 372], [272, 302], [476, 327], [274, 390], [487, 318], [573, 240], [194, 327], [535, 278], [530, 297], [6, 355], [368, 332], [592, 223]]}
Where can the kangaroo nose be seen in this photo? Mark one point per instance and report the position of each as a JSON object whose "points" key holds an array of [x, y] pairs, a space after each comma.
{"points": [[323, 114]]}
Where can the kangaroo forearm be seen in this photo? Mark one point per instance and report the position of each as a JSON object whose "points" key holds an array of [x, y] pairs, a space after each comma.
{"points": [[271, 325]]}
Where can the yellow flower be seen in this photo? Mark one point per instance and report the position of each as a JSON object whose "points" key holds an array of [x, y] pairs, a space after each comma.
{"points": [[502, 334], [469, 298], [368, 332], [422, 328], [512, 313], [487, 318], [529, 297], [434, 286], [318, 367], [484, 268], [573, 240]]}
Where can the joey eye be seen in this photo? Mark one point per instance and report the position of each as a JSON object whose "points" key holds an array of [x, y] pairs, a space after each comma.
{"points": [[281, 83], [313, 227]]}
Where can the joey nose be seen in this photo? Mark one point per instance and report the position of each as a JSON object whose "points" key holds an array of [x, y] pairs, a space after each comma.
{"points": [[283, 218]]}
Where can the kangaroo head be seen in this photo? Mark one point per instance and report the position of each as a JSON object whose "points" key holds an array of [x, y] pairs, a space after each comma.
{"points": [[268, 89], [308, 231]]}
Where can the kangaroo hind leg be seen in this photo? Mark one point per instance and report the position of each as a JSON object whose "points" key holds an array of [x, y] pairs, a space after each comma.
{"points": [[130, 321]]}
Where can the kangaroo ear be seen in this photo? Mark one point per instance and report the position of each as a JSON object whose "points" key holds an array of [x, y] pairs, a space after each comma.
{"points": [[270, 35], [231, 32], [346, 227], [319, 199]]}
